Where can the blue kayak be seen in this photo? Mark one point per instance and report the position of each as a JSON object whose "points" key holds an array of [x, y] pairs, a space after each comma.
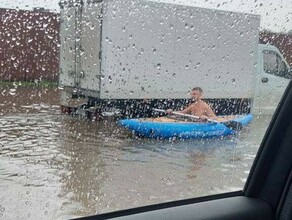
{"points": [[166, 128]]}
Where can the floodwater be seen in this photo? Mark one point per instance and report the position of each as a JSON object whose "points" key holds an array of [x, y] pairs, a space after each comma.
{"points": [[55, 166]]}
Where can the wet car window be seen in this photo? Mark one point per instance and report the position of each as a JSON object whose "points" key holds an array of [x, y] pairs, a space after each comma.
{"points": [[271, 61], [274, 64], [109, 105]]}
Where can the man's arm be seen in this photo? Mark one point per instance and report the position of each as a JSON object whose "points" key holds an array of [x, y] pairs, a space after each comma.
{"points": [[187, 110], [209, 112]]}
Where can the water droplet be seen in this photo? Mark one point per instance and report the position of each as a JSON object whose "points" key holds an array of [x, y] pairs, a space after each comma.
{"points": [[110, 79], [12, 91], [92, 27]]}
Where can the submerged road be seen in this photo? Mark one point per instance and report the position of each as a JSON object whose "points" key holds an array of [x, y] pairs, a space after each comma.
{"points": [[54, 166]]}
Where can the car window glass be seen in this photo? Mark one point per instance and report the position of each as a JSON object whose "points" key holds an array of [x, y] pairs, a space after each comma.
{"points": [[76, 77], [273, 64]]}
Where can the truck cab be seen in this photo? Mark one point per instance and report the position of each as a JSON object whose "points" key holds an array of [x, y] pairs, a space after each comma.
{"points": [[273, 76]]}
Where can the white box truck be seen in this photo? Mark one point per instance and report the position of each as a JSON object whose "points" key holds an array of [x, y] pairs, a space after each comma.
{"points": [[129, 56]]}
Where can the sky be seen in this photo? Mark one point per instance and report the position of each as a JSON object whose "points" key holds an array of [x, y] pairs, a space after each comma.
{"points": [[276, 15]]}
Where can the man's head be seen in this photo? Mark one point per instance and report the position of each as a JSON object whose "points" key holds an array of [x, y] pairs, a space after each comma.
{"points": [[196, 93]]}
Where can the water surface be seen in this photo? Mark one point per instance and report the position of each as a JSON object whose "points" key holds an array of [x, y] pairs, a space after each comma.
{"points": [[54, 166]]}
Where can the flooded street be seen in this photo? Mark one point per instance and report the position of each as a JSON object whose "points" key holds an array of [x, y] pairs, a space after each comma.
{"points": [[54, 166]]}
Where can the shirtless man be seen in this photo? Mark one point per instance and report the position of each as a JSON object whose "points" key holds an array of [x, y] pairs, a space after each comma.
{"points": [[198, 107]]}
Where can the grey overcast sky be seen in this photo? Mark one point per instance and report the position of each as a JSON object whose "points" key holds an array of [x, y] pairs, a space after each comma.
{"points": [[276, 15]]}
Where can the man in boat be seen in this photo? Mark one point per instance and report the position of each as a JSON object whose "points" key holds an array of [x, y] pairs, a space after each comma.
{"points": [[198, 107]]}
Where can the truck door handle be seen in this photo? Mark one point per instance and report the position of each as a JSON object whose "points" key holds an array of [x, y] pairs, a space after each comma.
{"points": [[265, 79]]}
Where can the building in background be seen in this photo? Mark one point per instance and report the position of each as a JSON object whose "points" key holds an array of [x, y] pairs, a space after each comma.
{"points": [[29, 45]]}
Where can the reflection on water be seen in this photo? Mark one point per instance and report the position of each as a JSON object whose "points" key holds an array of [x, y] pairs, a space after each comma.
{"points": [[54, 166]]}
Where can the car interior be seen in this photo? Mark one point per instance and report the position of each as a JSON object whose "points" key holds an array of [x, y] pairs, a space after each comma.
{"points": [[69, 76]]}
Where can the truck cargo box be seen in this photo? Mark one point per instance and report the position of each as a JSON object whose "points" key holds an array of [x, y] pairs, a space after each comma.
{"points": [[150, 50]]}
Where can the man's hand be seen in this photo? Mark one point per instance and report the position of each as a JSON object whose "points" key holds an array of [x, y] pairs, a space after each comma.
{"points": [[204, 117], [169, 111]]}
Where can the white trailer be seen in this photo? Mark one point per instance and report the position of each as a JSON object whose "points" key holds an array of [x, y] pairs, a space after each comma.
{"points": [[117, 53]]}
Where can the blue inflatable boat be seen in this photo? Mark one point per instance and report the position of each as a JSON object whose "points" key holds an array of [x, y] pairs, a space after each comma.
{"points": [[166, 128]]}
